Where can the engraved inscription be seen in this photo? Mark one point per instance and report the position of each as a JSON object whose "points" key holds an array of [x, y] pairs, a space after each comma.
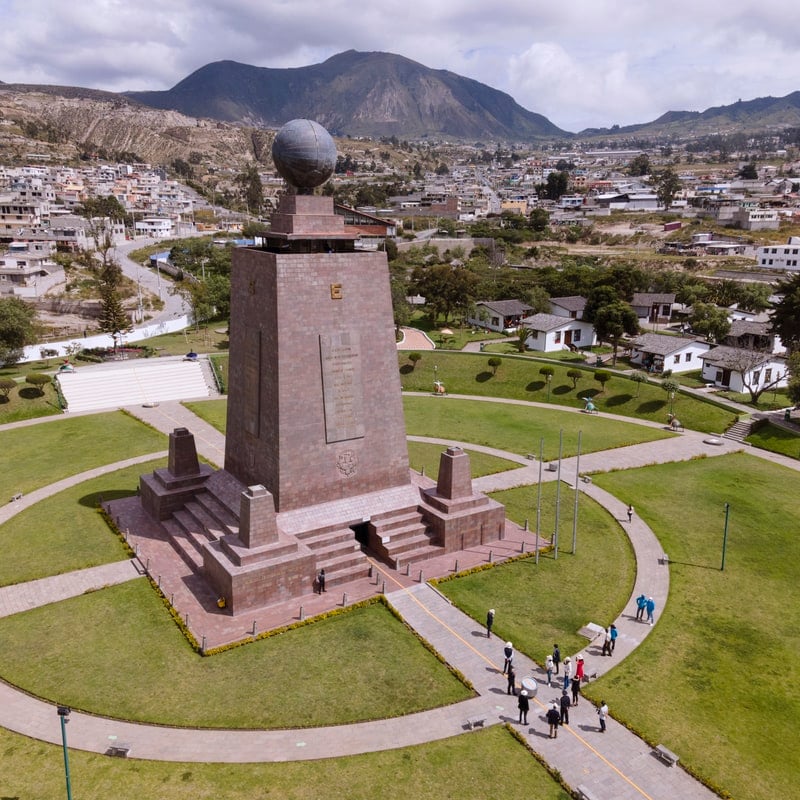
{"points": [[347, 463], [342, 388], [252, 382], [336, 291]]}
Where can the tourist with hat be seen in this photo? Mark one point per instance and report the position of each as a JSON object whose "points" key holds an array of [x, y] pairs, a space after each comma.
{"points": [[524, 706]]}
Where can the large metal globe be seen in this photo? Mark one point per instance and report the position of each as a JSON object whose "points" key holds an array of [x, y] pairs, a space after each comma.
{"points": [[304, 154]]}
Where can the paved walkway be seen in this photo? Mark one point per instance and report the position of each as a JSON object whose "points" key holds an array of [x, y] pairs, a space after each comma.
{"points": [[615, 764]]}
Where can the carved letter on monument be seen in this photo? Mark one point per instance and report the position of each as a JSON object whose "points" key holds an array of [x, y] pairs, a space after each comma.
{"points": [[342, 390]]}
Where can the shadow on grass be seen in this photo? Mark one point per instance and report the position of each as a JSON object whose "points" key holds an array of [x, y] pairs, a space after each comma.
{"points": [[651, 406], [94, 499], [563, 389], [619, 400], [484, 376], [406, 369], [3, 401], [30, 393], [535, 386], [588, 394], [223, 345]]}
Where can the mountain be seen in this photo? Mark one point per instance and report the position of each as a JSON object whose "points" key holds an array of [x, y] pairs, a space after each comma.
{"points": [[355, 94], [748, 116]]}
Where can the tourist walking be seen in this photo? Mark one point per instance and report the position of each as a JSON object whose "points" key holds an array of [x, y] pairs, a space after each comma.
{"points": [[579, 669], [650, 607], [321, 581], [606, 643], [576, 690], [489, 622], [523, 704], [567, 672], [508, 652], [564, 708], [548, 667], [512, 685], [602, 713], [614, 633], [556, 657], [630, 513], [553, 718], [641, 602]]}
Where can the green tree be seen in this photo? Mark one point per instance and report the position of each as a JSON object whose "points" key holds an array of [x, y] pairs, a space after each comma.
{"points": [[548, 373], [252, 190], [749, 171], [414, 358], [640, 165], [494, 363], [113, 318], [522, 338], [446, 289], [638, 377], [785, 320], [574, 375], [16, 328], [557, 184], [668, 184], [602, 377], [710, 321], [539, 219], [612, 318], [38, 380], [671, 387], [6, 385]]}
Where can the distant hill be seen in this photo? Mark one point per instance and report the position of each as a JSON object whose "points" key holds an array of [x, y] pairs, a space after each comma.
{"points": [[761, 114], [356, 94]]}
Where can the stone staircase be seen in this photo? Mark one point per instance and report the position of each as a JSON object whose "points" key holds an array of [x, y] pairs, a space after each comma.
{"points": [[203, 519], [401, 537], [337, 552], [740, 430]]}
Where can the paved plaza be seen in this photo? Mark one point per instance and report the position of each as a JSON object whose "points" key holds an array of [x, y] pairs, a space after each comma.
{"points": [[616, 764]]}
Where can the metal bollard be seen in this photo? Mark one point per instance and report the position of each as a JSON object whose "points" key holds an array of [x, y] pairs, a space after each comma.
{"points": [[203, 645], [420, 576], [491, 557], [344, 599], [159, 581], [526, 523], [187, 619], [408, 568], [455, 568], [369, 574], [172, 599], [522, 546], [302, 613], [147, 566], [383, 588]]}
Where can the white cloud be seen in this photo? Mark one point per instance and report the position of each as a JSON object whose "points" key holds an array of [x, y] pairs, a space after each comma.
{"points": [[586, 63]]}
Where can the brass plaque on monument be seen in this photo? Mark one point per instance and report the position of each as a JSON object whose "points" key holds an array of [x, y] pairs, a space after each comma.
{"points": [[342, 390]]}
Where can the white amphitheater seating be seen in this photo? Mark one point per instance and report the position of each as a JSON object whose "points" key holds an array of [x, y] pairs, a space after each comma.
{"points": [[129, 383]]}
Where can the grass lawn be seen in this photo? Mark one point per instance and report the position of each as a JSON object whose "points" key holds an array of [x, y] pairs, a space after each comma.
{"points": [[537, 605], [426, 456], [210, 338], [65, 532], [26, 402], [515, 428], [715, 680], [488, 763], [43, 454], [117, 652], [776, 439], [519, 378], [519, 428]]}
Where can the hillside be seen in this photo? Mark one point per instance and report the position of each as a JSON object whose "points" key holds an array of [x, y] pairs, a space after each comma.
{"points": [[355, 94]]}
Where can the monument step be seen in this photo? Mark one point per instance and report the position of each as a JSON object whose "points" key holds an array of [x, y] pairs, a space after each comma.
{"points": [[394, 548], [193, 516], [343, 561], [188, 544], [317, 539], [337, 577], [402, 520], [386, 517], [409, 531], [218, 512], [336, 550], [415, 556]]}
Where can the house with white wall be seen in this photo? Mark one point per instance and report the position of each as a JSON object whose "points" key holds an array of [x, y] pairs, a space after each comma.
{"points": [[738, 369], [499, 315], [655, 352], [571, 306], [653, 307], [550, 333], [780, 256]]}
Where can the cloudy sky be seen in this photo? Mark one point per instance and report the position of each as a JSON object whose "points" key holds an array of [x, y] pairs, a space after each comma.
{"points": [[583, 63]]}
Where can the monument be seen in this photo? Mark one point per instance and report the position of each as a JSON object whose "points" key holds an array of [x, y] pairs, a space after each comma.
{"points": [[316, 470]]}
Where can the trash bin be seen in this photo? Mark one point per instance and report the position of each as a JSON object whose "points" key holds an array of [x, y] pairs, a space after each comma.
{"points": [[787, 415], [482, 346], [530, 686]]}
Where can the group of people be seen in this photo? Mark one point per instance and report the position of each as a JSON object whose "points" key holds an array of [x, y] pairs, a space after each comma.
{"points": [[571, 678], [645, 604]]}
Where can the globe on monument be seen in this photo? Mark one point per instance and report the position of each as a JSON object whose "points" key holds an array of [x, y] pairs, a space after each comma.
{"points": [[304, 154]]}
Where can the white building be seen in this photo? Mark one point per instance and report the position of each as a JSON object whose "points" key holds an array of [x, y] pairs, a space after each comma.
{"points": [[739, 369], [550, 333], [780, 256], [156, 227], [655, 352]]}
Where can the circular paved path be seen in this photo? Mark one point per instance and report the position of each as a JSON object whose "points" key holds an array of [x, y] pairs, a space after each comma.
{"points": [[618, 763]]}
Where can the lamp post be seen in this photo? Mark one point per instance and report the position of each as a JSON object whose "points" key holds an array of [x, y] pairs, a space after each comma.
{"points": [[671, 401], [725, 536], [63, 713], [548, 378]]}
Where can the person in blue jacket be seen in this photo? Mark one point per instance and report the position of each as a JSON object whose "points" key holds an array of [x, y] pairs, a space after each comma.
{"points": [[650, 607], [641, 602]]}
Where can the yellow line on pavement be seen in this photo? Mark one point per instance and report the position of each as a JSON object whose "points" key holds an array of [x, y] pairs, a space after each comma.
{"points": [[581, 739]]}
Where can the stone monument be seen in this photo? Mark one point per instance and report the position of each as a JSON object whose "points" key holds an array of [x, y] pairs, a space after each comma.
{"points": [[316, 461]]}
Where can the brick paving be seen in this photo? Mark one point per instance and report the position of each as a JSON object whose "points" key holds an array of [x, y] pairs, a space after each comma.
{"points": [[615, 764]]}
